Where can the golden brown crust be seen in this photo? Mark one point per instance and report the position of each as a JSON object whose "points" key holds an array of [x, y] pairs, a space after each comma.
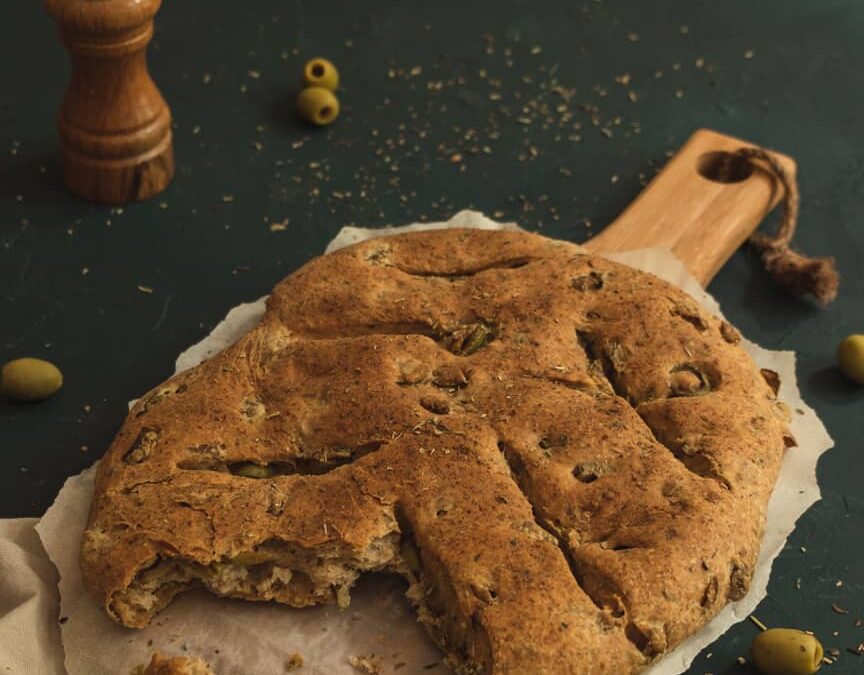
{"points": [[568, 459]]}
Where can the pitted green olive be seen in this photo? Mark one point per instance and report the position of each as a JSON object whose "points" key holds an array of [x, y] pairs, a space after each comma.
{"points": [[29, 379], [318, 105], [786, 651], [320, 72]]}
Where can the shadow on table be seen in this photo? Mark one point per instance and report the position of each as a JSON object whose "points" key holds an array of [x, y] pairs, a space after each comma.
{"points": [[830, 384], [773, 306], [283, 111], [36, 184]]}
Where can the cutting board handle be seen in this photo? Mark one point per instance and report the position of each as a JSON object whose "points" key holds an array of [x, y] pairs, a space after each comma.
{"points": [[702, 206]]}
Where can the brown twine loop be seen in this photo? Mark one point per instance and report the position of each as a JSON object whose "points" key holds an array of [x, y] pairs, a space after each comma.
{"points": [[798, 273]]}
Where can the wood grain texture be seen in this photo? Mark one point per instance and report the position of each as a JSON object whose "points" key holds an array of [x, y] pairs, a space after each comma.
{"points": [[701, 219], [114, 125]]}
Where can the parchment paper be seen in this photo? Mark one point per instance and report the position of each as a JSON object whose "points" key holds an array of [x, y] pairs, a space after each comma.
{"points": [[240, 637]]}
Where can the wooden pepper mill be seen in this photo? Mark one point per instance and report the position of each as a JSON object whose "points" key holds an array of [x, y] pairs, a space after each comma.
{"points": [[115, 127]]}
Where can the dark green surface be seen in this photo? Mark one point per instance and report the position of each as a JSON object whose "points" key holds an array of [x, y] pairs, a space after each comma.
{"points": [[800, 93]]}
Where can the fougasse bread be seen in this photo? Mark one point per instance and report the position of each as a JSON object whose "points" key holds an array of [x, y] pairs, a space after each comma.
{"points": [[568, 460]]}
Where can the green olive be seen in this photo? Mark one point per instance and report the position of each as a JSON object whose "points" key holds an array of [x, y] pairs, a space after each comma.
{"points": [[318, 105], [850, 356], [411, 556], [250, 558], [252, 470], [30, 379], [320, 73], [786, 651]]}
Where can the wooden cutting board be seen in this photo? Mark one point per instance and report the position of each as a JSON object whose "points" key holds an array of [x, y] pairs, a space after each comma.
{"points": [[702, 206]]}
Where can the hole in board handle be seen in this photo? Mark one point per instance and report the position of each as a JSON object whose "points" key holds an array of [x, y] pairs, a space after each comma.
{"points": [[724, 167]]}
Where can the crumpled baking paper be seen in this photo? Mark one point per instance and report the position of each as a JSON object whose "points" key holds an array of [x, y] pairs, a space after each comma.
{"points": [[242, 637]]}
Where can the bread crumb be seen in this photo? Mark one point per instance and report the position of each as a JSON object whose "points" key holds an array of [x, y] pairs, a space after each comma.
{"points": [[178, 665], [368, 663], [294, 662]]}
